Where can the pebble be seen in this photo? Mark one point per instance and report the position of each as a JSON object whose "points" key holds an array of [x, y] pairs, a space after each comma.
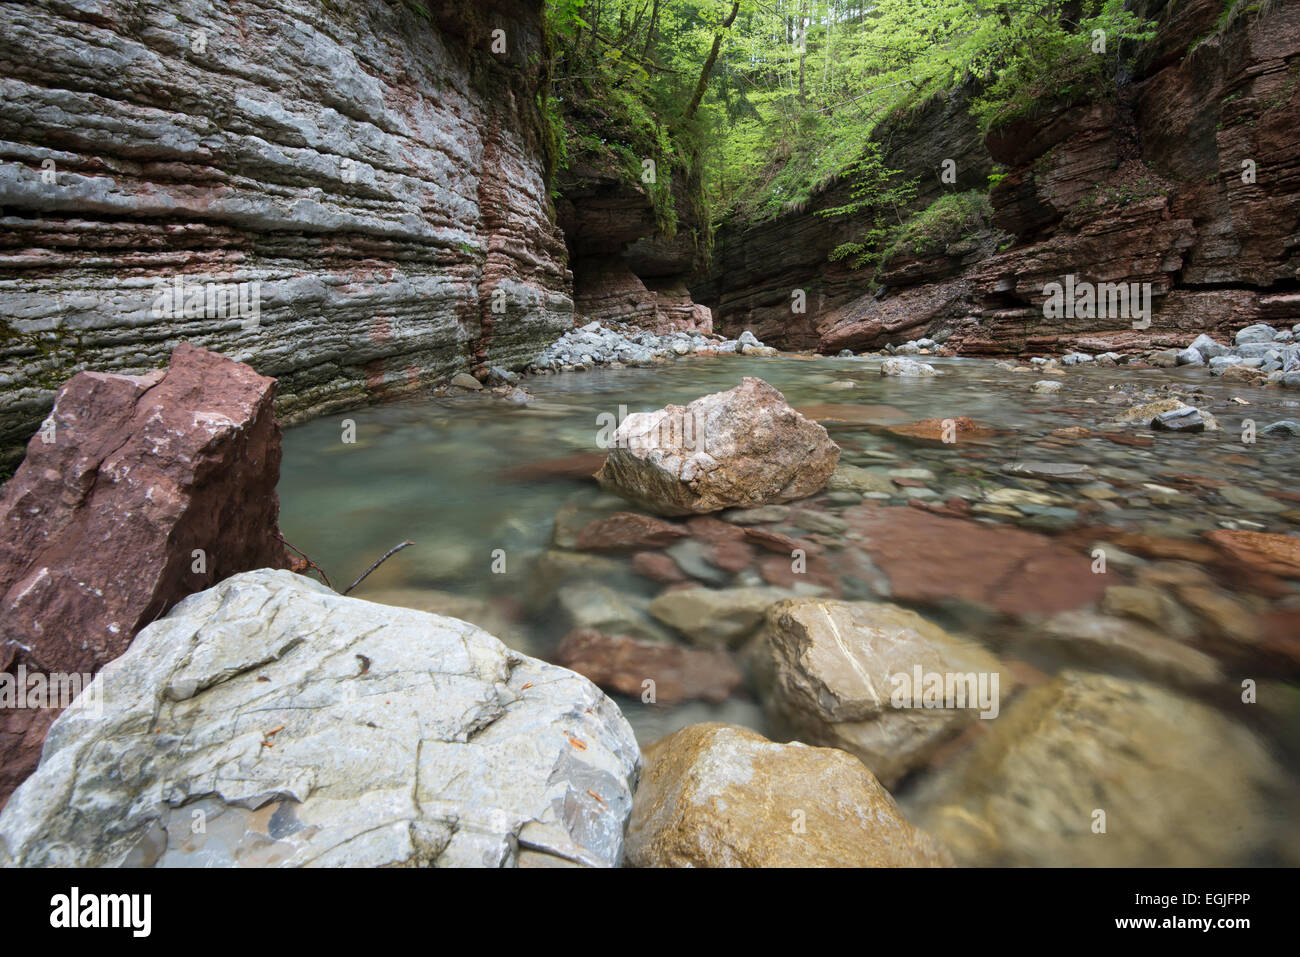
{"points": [[1185, 419], [1251, 501], [1053, 471]]}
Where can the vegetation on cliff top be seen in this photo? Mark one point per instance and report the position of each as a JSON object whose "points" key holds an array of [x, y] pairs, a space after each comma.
{"points": [[759, 103]]}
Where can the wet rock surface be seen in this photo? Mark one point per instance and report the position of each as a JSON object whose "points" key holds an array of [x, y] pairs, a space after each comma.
{"points": [[1178, 782], [831, 676], [654, 672]]}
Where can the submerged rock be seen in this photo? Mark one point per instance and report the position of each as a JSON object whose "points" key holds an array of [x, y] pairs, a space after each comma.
{"points": [[1262, 551], [655, 673], [907, 368], [855, 478], [715, 617], [309, 728], [714, 795], [737, 449], [1286, 427], [627, 530], [931, 559], [835, 673], [1068, 472], [1179, 783], [1088, 637]]}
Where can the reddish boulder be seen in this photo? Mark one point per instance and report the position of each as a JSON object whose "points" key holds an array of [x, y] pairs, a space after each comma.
{"points": [[579, 466], [138, 491], [929, 558], [657, 567], [628, 530], [934, 431], [781, 544], [1261, 551], [726, 543], [622, 664]]}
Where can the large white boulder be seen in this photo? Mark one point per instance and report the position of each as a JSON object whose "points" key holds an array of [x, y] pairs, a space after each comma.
{"points": [[271, 721]]}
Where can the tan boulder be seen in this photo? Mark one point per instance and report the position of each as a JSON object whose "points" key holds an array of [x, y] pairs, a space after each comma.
{"points": [[715, 617], [845, 675], [1180, 783], [715, 795], [737, 449]]}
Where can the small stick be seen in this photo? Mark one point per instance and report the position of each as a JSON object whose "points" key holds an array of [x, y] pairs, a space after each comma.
{"points": [[387, 555], [310, 563]]}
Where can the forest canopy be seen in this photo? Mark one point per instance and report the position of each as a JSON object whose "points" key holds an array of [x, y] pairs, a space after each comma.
{"points": [[759, 102]]}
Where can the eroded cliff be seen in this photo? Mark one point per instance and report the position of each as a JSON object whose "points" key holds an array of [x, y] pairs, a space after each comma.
{"points": [[379, 175], [1186, 180]]}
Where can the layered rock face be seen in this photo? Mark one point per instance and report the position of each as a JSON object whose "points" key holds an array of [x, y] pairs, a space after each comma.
{"points": [[1187, 184], [137, 491], [374, 180], [305, 728], [757, 266], [625, 267], [1182, 191]]}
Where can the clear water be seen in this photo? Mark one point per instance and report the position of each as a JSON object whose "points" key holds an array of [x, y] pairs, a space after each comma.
{"points": [[445, 473]]}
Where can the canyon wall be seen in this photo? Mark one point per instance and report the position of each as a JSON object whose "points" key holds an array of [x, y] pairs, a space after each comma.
{"points": [[757, 266], [1146, 187], [626, 266], [379, 174]]}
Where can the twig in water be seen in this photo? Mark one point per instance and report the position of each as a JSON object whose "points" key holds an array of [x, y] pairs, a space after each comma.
{"points": [[387, 555], [310, 563]]}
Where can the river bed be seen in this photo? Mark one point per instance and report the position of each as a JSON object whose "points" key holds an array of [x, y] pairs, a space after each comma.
{"points": [[487, 490]]}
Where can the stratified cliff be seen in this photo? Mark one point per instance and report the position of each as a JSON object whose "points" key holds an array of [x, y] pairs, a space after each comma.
{"points": [[379, 174], [1146, 186]]}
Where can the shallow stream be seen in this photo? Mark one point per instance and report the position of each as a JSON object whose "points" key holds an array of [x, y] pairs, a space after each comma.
{"points": [[481, 487]]}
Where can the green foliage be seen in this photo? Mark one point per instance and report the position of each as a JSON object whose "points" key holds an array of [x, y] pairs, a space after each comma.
{"points": [[1057, 61], [799, 86], [419, 8], [623, 74], [788, 117], [878, 192], [950, 218]]}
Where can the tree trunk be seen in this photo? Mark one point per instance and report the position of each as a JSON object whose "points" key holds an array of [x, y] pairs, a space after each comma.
{"points": [[650, 32], [713, 58]]}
